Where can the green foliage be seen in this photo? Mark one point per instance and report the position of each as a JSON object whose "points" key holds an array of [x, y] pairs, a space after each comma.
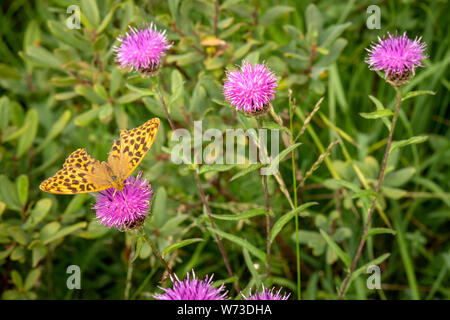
{"points": [[60, 89]]}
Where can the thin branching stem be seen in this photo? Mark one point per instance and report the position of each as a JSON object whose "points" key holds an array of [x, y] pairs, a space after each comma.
{"points": [[378, 187], [155, 250]]}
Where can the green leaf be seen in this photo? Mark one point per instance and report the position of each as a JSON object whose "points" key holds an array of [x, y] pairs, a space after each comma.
{"points": [[89, 93], [275, 162], [374, 231], [160, 207], [413, 94], [50, 237], [87, 117], [215, 168], [335, 184], [180, 244], [9, 73], [59, 30], [379, 107], [250, 168], [40, 210], [364, 193], [399, 177], [403, 143], [42, 57], [273, 13], [31, 279], [240, 242], [22, 188], [38, 251], [106, 20], [9, 193], [333, 245], [26, 139], [56, 129], [235, 217], [274, 126], [284, 219], [129, 97], [17, 279], [251, 266], [90, 10], [4, 113], [377, 114]]}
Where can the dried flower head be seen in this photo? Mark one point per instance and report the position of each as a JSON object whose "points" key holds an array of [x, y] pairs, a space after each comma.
{"points": [[192, 289], [126, 209], [250, 88], [267, 294], [141, 49], [398, 56]]}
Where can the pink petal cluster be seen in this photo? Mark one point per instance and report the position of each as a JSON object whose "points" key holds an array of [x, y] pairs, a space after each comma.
{"points": [[142, 48], [126, 209], [250, 88], [396, 54], [267, 294], [192, 288]]}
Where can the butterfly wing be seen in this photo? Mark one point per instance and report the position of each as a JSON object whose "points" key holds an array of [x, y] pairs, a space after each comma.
{"points": [[128, 152], [80, 174]]}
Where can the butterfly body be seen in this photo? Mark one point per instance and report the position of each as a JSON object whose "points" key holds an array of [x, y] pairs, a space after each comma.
{"points": [[81, 173]]}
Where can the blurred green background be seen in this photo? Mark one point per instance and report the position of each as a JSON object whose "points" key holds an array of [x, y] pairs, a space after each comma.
{"points": [[60, 90]]}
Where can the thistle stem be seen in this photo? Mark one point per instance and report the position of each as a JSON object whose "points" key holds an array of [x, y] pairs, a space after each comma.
{"points": [[268, 225], [213, 225], [204, 201], [163, 102], [294, 182], [377, 190], [156, 251]]}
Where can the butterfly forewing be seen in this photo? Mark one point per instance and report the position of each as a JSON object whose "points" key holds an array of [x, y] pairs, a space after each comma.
{"points": [[128, 152], [80, 174]]}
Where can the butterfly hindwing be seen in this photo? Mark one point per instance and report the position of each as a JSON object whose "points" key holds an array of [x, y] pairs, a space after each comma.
{"points": [[80, 174]]}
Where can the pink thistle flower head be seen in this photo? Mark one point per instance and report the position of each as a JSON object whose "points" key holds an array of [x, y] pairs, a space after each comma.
{"points": [[267, 294], [126, 209], [250, 88], [141, 49], [192, 288], [398, 56]]}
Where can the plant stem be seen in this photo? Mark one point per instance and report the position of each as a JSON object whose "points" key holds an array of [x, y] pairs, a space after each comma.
{"points": [[156, 251], [268, 224], [163, 102], [398, 102], [129, 271], [266, 199], [294, 182], [205, 203], [213, 225]]}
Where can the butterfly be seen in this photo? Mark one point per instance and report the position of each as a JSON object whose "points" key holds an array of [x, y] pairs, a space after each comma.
{"points": [[81, 173]]}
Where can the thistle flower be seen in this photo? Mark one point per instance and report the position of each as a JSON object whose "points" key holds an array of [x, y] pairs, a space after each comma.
{"points": [[267, 294], [398, 56], [141, 49], [192, 289], [250, 88], [126, 209]]}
